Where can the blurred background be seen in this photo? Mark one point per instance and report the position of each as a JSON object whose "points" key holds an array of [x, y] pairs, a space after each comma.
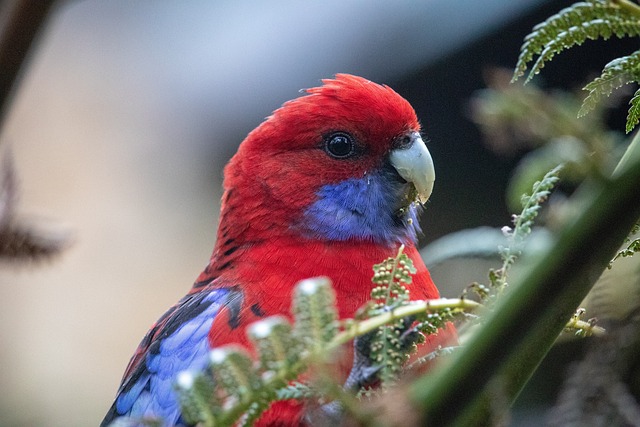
{"points": [[128, 111]]}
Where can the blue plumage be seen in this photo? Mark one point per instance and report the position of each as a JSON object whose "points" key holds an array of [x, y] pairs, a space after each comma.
{"points": [[177, 343], [363, 208]]}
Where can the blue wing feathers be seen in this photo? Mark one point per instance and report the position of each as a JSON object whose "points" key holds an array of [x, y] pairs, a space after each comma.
{"points": [[126, 401], [177, 342]]}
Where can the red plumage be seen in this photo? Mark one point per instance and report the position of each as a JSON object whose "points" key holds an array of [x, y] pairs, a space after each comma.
{"points": [[267, 237]]}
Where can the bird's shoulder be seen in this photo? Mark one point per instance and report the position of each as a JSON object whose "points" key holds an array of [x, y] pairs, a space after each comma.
{"points": [[177, 341]]}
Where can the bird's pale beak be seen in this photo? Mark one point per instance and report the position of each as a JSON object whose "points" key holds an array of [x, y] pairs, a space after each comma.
{"points": [[414, 164]]}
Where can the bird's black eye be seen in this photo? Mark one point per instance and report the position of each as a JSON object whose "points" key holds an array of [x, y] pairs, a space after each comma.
{"points": [[340, 145]]}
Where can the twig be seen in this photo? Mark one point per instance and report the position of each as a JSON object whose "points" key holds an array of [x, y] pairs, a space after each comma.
{"points": [[22, 21]]}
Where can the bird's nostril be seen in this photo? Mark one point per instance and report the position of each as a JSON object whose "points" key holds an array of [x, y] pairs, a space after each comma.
{"points": [[403, 141]]}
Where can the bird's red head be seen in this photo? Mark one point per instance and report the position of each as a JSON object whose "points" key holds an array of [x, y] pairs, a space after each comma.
{"points": [[375, 116], [343, 153]]}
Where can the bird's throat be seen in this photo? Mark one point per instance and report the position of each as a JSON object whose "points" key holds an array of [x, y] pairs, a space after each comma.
{"points": [[376, 208]]}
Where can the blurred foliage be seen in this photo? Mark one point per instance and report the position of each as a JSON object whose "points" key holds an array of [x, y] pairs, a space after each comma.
{"points": [[544, 125], [549, 127], [593, 19], [486, 375], [236, 389], [22, 240]]}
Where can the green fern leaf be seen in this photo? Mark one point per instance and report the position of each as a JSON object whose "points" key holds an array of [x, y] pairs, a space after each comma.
{"points": [[634, 112], [547, 31], [315, 313], [256, 409], [233, 370], [631, 249], [522, 224], [390, 276], [615, 74], [296, 390], [633, 245], [389, 291], [274, 342], [591, 30], [572, 26], [198, 399]]}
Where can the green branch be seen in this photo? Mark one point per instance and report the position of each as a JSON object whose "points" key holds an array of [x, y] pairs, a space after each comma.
{"points": [[527, 320]]}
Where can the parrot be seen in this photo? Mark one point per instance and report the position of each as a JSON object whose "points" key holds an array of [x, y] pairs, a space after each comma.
{"points": [[329, 184]]}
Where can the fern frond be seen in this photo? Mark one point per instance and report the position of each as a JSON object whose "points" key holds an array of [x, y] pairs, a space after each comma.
{"points": [[233, 370], [315, 313], [632, 248], [198, 399], [296, 390], [235, 390], [390, 278], [386, 351], [634, 112], [573, 26], [523, 222], [255, 411], [547, 31], [591, 30], [516, 236], [273, 340], [615, 74]]}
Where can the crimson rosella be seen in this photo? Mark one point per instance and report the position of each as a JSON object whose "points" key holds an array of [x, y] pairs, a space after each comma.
{"points": [[323, 187]]}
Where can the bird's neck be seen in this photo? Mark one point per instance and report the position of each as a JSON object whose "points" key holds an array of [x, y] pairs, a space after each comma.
{"points": [[374, 209], [271, 269]]}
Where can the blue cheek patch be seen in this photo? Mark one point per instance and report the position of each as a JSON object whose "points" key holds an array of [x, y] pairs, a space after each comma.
{"points": [[362, 209]]}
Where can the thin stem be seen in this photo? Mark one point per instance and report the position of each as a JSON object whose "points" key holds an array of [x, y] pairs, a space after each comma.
{"points": [[588, 328], [387, 300], [627, 6], [632, 154], [415, 307]]}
